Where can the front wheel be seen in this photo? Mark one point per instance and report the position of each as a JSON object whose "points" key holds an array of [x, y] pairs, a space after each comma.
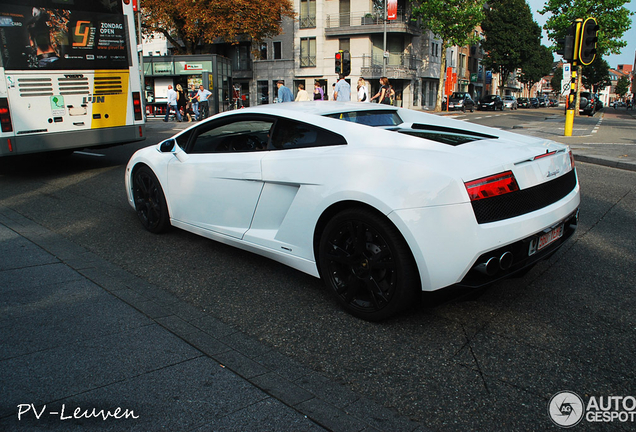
{"points": [[150, 201], [368, 266]]}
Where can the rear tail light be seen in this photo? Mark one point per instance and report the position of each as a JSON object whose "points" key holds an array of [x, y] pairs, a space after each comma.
{"points": [[137, 105], [572, 159], [495, 185], [5, 115]]}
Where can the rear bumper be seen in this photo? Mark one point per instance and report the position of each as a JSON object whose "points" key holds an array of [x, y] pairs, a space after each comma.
{"points": [[520, 256]]}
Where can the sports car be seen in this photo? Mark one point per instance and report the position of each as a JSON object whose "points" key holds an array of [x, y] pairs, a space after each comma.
{"points": [[380, 202]]}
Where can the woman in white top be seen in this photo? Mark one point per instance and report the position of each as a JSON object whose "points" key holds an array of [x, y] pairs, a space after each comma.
{"points": [[302, 95], [363, 94]]}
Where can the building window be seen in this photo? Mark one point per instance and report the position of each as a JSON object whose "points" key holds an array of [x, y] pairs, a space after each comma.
{"points": [[344, 44], [278, 50], [307, 14], [263, 92], [307, 52], [263, 51]]}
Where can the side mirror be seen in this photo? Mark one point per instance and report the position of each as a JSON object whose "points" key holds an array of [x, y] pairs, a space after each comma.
{"points": [[167, 146]]}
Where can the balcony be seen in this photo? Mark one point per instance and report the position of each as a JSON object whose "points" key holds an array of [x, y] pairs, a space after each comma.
{"points": [[357, 23], [399, 66]]}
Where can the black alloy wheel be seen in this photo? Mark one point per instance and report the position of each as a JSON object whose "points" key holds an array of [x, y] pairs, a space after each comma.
{"points": [[366, 263], [150, 201]]}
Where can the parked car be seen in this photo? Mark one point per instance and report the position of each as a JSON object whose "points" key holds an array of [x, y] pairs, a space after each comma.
{"points": [[510, 102], [490, 102], [460, 101], [381, 202], [553, 103], [523, 102], [543, 101], [599, 102], [534, 102], [588, 103]]}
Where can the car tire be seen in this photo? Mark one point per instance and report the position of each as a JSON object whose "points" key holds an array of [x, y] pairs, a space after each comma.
{"points": [[366, 263], [150, 201]]}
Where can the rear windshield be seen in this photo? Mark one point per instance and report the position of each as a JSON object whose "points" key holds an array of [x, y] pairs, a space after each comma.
{"points": [[370, 118]]}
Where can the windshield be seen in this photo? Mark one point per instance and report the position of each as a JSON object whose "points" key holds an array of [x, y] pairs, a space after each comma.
{"points": [[370, 118]]}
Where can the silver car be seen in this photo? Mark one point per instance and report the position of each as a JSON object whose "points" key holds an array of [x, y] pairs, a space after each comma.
{"points": [[510, 102]]}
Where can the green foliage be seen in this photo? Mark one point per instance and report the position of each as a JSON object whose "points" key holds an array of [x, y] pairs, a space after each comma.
{"points": [[454, 22], [596, 74], [538, 65], [513, 41], [556, 79], [613, 18], [622, 86]]}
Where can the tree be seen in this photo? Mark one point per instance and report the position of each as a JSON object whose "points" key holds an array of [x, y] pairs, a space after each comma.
{"points": [[188, 24], [538, 65], [612, 17], [454, 22], [557, 78], [596, 75], [512, 40], [622, 86]]}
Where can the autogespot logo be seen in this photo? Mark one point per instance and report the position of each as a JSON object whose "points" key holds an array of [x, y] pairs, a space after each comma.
{"points": [[566, 409]]}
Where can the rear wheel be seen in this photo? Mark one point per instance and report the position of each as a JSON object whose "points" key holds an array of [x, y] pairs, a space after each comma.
{"points": [[150, 201], [367, 265]]}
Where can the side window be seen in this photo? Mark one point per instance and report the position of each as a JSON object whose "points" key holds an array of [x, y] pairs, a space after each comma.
{"points": [[290, 134], [247, 134]]}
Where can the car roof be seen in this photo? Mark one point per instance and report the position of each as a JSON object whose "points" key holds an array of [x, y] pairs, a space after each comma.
{"points": [[320, 108]]}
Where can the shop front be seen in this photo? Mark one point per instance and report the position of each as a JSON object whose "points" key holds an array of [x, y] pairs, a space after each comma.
{"points": [[212, 71]]}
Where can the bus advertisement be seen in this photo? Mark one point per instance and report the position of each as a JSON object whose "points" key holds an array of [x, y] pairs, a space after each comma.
{"points": [[71, 76]]}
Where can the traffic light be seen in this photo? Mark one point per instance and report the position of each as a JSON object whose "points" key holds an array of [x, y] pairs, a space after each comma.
{"points": [[565, 46], [346, 63], [587, 43], [339, 62]]}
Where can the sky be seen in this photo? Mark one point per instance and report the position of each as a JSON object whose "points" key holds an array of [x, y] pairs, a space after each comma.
{"points": [[627, 54]]}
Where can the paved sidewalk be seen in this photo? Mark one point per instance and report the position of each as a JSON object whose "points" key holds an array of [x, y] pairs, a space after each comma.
{"points": [[81, 339]]}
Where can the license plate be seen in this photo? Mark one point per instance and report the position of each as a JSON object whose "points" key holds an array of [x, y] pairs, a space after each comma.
{"points": [[545, 239]]}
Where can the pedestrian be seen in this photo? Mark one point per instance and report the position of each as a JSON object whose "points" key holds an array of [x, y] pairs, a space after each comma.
{"points": [[333, 91], [383, 95], [302, 95], [319, 94], [172, 104], [342, 91], [363, 94], [284, 94], [192, 97], [204, 108], [181, 98], [189, 112]]}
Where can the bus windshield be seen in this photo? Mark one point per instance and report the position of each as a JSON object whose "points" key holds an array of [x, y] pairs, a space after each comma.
{"points": [[63, 35]]}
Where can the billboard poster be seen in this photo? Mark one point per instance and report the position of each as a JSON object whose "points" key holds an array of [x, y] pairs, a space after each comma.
{"points": [[62, 35], [391, 9]]}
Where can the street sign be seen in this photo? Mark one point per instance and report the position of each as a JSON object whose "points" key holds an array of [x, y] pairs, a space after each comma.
{"points": [[391, 9]]}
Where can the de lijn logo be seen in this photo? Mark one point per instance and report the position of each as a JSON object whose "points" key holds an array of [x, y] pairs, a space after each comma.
{"points": [[566, 409]]}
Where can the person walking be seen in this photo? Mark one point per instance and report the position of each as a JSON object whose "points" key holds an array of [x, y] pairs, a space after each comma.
{"points": [[204, 108], [181, 100], [384, 93], [284, 94], [342, 91], [363, 94], [192, 98], [302, 95], [172, 104], [319, 94]]}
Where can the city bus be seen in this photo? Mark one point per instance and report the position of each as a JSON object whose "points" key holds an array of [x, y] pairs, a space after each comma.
{"points": [[70, 76]]}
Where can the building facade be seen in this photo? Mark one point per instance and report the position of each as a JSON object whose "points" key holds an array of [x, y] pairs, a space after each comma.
{"points": [[305, 50]]}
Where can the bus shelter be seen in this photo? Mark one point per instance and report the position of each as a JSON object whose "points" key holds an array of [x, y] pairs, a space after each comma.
{"points": [[212, 71]]}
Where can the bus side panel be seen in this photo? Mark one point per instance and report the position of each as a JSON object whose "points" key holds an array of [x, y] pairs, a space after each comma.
{"points": [[110, 99]]}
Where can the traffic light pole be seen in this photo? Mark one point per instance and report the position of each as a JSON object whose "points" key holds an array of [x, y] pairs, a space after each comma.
{"points": [[571, 106], [569, 113]]}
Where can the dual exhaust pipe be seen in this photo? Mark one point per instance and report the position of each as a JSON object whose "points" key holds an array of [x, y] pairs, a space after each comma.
{"points": [[494, 264]]}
